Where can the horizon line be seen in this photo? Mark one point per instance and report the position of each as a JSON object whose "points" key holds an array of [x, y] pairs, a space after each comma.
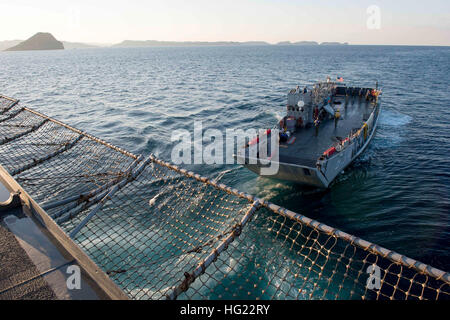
{"points": [[291, 42]]}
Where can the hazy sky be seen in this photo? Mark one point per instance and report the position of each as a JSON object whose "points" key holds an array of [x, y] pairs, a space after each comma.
{"points": [[400, 21]]}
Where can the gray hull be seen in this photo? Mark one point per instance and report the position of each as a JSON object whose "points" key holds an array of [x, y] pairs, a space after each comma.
{"points": [[292, 172]]}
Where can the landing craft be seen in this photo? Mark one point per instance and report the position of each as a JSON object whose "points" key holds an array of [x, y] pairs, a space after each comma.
{"points": [[325, 129]]}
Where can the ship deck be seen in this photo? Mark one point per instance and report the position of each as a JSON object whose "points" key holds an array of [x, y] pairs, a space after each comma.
{"points": [[307, 148]]}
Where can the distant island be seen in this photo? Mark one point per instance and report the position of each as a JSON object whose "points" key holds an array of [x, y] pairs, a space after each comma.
{"points": [[299, 43], [46, 41], [8, 44], [334, 44], [156, 43], [311, 43], [78, 45], [40, 41]]}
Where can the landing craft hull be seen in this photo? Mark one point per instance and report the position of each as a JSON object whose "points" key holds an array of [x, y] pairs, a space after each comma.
{"points": [[292, 172], [312, 176]]}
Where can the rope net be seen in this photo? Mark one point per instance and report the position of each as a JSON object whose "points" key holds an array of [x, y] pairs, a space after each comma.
{"points": [[161, 232]]}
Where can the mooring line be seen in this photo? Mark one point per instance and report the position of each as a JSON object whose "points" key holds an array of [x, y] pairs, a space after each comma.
{"points": [[201, 267], [88, 195], [108, 196], [42, 274]]}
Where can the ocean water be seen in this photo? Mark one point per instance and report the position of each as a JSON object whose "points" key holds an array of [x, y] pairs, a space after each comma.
{"points": [[396, 194]]}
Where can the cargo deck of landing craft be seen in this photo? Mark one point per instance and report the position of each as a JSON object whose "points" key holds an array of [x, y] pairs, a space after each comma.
{"points": [[308, 147]]}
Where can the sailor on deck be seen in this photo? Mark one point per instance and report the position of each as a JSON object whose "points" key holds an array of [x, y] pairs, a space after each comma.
{"points": [[316, 112], [316, 124]]}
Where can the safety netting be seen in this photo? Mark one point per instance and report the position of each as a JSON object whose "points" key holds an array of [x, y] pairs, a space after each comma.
{"points": [[161, 232]]}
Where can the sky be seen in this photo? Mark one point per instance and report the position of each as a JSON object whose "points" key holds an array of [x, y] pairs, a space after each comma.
{"points": [[398, 22]]}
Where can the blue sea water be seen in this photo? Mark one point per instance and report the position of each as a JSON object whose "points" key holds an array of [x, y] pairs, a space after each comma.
{"points": [[396, 194]]}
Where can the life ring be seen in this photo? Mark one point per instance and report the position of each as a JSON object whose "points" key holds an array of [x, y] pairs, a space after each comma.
{"points": [[339, 148]]}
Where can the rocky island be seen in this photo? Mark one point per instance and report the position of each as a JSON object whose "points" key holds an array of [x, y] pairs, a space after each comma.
{"points": [[40, 41]]}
